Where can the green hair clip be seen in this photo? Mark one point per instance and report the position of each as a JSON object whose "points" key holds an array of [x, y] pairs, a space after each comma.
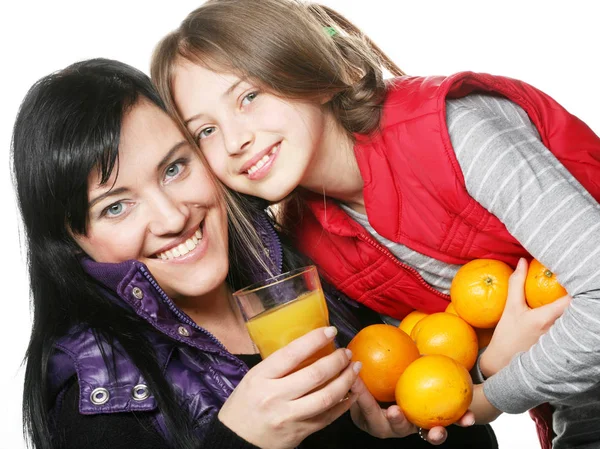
{"points": [[330, 30]]}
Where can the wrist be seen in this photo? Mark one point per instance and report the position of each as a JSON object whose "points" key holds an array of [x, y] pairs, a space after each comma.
{"points": [[221, 435], [483, 410], [486, 363]]}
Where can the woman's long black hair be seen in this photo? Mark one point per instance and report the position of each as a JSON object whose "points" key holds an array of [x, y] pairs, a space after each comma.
{"points": [[69, 125]]}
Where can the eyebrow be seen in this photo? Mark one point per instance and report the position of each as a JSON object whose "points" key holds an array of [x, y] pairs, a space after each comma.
{"points": [[108, 194], [159, 166], [170, 154], [225, 94]]}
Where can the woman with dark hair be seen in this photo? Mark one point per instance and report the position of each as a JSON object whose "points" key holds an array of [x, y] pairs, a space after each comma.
{"points": [[136, 340], [134, 327]]}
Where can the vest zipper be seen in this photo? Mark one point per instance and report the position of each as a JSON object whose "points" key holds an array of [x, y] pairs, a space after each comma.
{"points": [[187, 320], [422, 281]]}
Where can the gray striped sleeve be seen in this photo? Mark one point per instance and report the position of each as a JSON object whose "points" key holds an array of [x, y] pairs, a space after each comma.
{"points": [[509, 171]]}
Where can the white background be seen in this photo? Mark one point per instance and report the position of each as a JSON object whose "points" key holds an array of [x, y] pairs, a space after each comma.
{"points": [[548, 44]]}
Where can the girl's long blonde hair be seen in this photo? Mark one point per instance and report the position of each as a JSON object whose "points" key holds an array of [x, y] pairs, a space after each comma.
{"points": [[291, 48]]}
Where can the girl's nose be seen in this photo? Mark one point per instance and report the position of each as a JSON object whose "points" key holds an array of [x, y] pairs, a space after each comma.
{"points": [[238, 138]]}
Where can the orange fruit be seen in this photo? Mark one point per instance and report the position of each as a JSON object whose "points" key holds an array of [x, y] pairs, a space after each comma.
{"points": [[409, 321], [484, 336], [479, 291], [416, 329], [451, 309], [434, 390], [446, 334], [541, 285], [385, 351]]}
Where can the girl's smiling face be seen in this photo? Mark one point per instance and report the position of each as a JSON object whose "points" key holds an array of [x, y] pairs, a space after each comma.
{"points": [[160, 206], [255, 142]]}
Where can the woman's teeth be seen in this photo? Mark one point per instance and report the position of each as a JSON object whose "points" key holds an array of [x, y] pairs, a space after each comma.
{"points": [[263, 161], [183, 248]]}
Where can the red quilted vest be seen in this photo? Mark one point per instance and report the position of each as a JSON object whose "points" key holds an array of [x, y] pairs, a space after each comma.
{"points": [[414, 194]]}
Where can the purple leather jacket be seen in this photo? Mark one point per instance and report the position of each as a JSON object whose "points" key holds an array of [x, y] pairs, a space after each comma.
{"points": [[199, 367]]}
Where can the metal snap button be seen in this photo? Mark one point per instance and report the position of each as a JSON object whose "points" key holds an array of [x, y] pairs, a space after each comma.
{"points": [[137, 293], [140, 392], [183, 331], [99, 396]]}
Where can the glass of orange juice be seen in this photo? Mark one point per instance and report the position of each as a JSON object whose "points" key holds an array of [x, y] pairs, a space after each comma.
{"points": [[283, 308]]}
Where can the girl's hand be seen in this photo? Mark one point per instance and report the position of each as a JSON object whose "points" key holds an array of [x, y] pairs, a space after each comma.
{"points": [[520, 327], [391, 423], [274, 409]]}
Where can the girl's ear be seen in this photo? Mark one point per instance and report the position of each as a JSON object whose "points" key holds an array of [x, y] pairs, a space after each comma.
{"points": [[325, 99]]}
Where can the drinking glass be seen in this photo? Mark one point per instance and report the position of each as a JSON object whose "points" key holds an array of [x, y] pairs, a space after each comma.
{"points": [[282, 308]]}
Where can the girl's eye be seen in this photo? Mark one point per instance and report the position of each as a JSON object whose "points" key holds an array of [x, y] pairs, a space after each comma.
{"points": [[249, 98], [114, 210], [206, 132]]}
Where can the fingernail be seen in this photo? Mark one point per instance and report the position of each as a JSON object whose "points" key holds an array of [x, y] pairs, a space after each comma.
{"points": [[521, 263], [348, 353], [331, 331], [471, 423], [356, 367]]}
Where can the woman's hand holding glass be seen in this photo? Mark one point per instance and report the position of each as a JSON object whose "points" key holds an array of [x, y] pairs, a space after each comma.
{"points": [[288, 404]]}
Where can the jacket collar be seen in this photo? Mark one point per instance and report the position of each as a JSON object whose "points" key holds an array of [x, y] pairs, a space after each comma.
{"points": [[113, 276]]}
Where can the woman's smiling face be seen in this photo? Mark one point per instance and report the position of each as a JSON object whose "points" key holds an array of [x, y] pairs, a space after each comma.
{"points": [[160, 206]]}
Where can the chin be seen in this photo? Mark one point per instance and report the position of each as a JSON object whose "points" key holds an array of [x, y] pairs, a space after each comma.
{"points": [[275, 192], [200, 281], [200, 286], [197, 291], [273, 198]]}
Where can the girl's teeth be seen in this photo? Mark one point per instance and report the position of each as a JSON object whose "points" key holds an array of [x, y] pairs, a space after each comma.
{"points": [[169, 254], [176, 252], [183, 249], [263, 161], [189, 244]]}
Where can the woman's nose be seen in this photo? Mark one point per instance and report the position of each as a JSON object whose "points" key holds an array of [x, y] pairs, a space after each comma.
{"points": [[168, 216]]}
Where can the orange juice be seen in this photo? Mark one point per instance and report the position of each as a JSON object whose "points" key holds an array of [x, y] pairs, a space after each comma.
{"points": [[275, 328]]}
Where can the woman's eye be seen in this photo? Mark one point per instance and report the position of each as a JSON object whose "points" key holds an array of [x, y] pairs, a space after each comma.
{"points": [[206, 132], [249, 98], [114, 210], [175, 170], [172, 170]]}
